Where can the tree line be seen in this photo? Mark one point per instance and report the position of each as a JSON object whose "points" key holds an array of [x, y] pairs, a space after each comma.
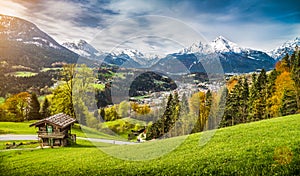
{"points": [[264, 95]]}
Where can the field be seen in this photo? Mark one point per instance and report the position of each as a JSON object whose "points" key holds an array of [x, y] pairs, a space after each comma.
{"points": [[51, 69], [268, 147], [123, 126], [23, 74]]}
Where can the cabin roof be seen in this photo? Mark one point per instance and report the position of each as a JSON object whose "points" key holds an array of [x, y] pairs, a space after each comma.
{"points": [[61, 120]]}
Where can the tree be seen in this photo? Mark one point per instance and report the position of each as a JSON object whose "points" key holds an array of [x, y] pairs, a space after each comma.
{"points": [[164, 125], [18, 106], [45, 111], [231, 113], [295, 74], [289, 103], [34, 108], [75, 96], [123, 109], [283, 83], [200, 106], [258, 97]]}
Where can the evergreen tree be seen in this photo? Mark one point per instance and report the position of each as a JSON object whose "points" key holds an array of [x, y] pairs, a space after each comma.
{"points": [[289, 103], [34, 108], [244, 98], [271, 89], [232, 112], [253, 93], [258, 110], [45, 111], [295, 73], [163, 126]]}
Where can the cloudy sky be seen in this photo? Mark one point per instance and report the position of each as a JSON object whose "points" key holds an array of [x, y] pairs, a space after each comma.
{"points": [[162, 25]]}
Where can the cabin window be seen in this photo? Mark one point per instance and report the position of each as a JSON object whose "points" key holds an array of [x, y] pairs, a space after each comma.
{"points": [[49, 129]]}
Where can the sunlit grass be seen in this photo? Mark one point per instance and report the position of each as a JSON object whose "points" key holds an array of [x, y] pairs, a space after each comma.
{"points": [[268, 147]]}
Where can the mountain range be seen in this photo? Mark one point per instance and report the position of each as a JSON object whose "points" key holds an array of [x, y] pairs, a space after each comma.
{"points": [[23, 43]]}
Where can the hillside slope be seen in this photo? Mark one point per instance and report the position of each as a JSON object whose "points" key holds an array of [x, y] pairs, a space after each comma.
{"points": [[23, 43], [268, 147]]}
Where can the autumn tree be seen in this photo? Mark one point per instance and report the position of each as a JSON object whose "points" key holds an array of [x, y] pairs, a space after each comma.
{"points": [[17, 106]]}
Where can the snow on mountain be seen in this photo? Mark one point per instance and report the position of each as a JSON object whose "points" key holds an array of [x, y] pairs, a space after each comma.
{"points": [[222, 45], [16, 29], [232, 57], [137, 56], [219, 45], [287, 47], [83, 49]]}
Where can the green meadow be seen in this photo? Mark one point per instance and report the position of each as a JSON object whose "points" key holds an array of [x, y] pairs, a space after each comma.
{"points": [[268, 147]]}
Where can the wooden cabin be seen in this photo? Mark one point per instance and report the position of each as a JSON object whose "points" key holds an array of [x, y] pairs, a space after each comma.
{"points": [[55, 130]]}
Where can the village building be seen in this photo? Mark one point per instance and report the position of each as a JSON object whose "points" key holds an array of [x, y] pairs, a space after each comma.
{"points": [[55, 130]]}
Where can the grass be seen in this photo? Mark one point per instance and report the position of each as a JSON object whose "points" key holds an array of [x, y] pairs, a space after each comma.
{"points": [[123, 126], [48, 69], [269, 147], [26, 144], [99, 86], [23, 128], [23, 74], [2, 100], [141, 97], [17, 128]]}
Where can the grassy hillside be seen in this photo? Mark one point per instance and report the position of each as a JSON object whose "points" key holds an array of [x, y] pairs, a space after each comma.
{"points": [[267, 147]]}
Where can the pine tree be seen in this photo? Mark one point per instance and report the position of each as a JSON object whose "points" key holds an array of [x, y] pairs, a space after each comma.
{"points": [[271, 89], [295, 73], [244, 98], [258, 110], [34, 108], [45, 111], [253, 93], [289, 103]]}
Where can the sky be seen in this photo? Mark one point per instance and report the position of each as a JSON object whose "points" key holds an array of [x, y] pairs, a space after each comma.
{"points": [[161, 26]]}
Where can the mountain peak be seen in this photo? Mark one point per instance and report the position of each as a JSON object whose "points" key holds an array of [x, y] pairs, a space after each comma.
{"points": [[221, 44], [82, 48], [221, 38], [287, 47]]}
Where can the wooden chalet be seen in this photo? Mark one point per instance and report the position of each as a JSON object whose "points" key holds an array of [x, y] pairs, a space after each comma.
{"points": [[55, 130]]}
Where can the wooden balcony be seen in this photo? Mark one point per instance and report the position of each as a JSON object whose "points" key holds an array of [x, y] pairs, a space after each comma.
{"points": [[57, 135]]}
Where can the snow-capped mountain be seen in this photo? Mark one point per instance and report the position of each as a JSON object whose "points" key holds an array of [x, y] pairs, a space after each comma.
{"points": [[83, 49], [119, 56], [145, 60], [16, 29], [23, 43], [232, 57], [219, 45], [287, 47]]}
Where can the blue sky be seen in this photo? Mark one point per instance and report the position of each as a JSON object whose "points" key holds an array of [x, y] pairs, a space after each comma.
{"points": [[162, 25]]}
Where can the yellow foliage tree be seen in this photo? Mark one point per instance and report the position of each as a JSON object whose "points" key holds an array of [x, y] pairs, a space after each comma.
{"points": [[283, 83]]}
